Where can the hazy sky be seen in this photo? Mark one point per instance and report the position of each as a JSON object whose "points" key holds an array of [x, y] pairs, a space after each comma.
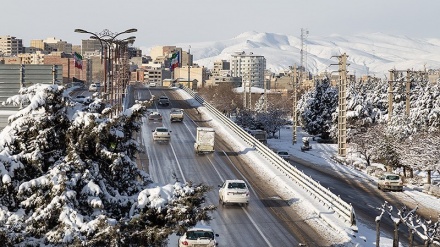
{"points": [[167, 22]]}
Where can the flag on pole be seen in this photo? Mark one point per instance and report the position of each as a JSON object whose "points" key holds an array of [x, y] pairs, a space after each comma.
{"points": [[78, 60], [174, 61]]}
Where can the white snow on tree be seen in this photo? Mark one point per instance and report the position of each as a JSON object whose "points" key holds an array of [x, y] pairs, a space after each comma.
{"points": [[69, 177]]}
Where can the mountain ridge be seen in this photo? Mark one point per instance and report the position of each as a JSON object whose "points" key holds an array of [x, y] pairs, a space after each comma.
{"points": [[368, 53]]}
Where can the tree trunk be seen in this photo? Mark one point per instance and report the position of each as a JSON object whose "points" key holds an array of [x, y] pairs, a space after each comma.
{"points": [[404, 171], [429, 177], [411, 172]]}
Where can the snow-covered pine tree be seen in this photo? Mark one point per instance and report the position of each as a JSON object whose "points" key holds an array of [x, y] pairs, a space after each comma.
{"points": [[317, 109], [69, 178]]}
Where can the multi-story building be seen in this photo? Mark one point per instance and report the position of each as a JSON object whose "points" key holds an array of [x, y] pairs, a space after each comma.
{"points": [[249, 67], [58, 45], [221, 68], [40, 45], [36, 57], [69, 69], [90, 45], [197, 76], [161, 51], [10, 46]]}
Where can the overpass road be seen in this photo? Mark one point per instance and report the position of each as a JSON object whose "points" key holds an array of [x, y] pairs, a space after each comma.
{"points": [[267, 221]]}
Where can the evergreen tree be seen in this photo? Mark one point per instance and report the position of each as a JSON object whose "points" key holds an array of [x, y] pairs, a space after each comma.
{"points": [[69, 177], [317, 109]]}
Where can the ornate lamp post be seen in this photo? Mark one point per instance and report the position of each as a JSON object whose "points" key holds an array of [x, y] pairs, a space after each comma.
{"points": [[109, 38]]}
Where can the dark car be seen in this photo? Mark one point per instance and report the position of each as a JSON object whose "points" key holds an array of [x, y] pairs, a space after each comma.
{"points": [[164, 100]]}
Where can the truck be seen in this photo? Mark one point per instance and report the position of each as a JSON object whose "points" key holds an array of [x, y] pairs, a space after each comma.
{"points": [[176, 114], [204, 140]]}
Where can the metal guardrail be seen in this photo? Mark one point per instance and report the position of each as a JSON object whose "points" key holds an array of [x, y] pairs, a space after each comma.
{"points": [[334, 202]]}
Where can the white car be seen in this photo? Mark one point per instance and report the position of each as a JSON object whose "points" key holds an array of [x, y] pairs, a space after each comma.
{"points": [[198, 237], [390, 182], [155, 116], [152, 84], [234, 191], [161, 134], [94, 87], [284, 154]]}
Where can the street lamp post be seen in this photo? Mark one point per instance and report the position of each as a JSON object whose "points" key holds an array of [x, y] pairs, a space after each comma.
{"points": [[109, 38]]}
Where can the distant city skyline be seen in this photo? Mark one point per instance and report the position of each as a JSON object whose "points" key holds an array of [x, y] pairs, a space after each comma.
{"points": [[175, 21]]}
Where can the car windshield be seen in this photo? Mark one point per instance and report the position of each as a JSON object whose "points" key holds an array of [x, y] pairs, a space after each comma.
{"points": [[193, 235], [393, 177], [236, 185], [161, 130]]}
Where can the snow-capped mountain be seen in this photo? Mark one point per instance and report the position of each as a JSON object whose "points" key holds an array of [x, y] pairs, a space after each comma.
{"points": [[372, 54]]}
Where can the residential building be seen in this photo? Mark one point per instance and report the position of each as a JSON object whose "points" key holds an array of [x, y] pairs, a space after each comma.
{"points": [[221, 68], [36, 57], [10, 46], [197, 75], [40, 45], [249, 67], [69, 69], [58, 45], [161, 51], [217, 80], [186, 59]]}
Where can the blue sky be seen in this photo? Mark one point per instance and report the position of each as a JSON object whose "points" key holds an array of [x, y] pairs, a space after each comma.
{"points": [[167, 22]]}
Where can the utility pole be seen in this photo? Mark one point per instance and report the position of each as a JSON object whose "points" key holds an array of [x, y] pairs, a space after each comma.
{"points": [[250, 90], [294, 113], [342, 106], [243, 84], [189, 66], [304, 33], [266, 80], [342, 117]]}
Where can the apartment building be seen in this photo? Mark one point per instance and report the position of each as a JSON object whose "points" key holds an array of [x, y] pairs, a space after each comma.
{"points": [[221, 68], [249, 67], [55, 44], [197, 75], [36, 57], [90, 45], [10, 46]]}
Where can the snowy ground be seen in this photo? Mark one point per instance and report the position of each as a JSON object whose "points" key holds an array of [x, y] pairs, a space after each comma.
{"points": [[321, 154]]}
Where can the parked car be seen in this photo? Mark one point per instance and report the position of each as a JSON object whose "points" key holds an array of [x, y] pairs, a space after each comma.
{"points": [[198, 237], [82, 99], [164, 100], [390, 181], [152, 84], [234, 191], [161, 134], [155, 116], [284, 154], [94, 87]]}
